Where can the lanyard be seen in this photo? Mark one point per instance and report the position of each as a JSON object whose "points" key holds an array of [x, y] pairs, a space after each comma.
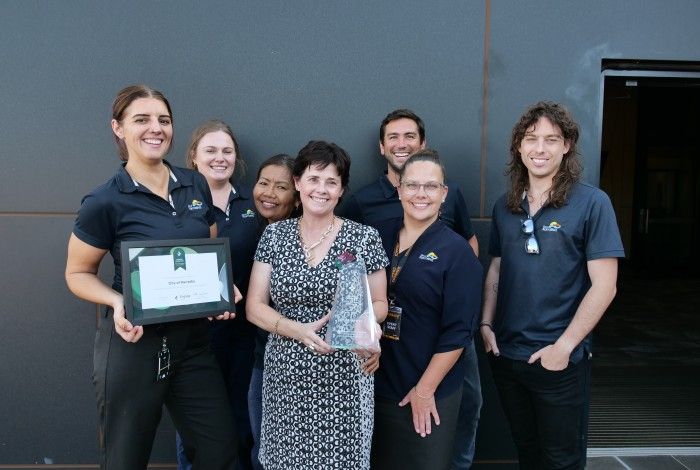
{"points": [[398, 260]]}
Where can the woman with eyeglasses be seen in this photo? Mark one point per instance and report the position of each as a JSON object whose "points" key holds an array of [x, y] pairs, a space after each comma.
{"points": [[434, 299]]}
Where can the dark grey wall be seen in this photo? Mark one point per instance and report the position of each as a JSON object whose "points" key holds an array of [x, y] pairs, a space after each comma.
{"points": [[549, 49], [281, 73]]}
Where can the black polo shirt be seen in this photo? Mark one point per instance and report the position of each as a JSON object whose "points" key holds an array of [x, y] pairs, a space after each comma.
{"points": [[439, 290], [538, 294], [122, 210], [242, 226], [379, 201]]}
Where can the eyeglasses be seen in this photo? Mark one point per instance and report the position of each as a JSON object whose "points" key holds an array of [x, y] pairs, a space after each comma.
{"points": [[528, 228], [431, 188]]}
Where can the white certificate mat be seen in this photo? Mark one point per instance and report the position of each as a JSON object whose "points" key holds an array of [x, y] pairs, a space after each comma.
{"points": [[164, 286]]}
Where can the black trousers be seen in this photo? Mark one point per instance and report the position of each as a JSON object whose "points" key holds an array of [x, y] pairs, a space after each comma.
{"points": [[396, 445], [130, 401], [547, 411], [236, 359]]}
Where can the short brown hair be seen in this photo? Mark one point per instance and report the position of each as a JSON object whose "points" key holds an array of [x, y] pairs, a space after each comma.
{"points": [[397, 114], [321, 153]]}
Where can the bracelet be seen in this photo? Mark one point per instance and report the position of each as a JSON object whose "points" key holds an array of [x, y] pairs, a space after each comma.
{"points": [[277, 325], [421, 396], [484, 323]]}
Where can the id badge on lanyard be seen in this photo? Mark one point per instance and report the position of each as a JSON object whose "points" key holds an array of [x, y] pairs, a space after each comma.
{"points": [[391, 328], [163, 369]]}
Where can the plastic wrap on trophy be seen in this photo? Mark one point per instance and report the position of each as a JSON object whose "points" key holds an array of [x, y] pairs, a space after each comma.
{"points": [[352, 323]]}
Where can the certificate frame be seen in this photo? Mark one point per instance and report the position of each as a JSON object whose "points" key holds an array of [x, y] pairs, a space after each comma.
{"points": [[134, 254]]}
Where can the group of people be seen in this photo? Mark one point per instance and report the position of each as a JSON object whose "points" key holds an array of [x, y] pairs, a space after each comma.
{"points": [[261, 387]]}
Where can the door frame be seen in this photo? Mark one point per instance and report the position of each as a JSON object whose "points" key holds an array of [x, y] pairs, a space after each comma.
{"points": [[631, 70], [648, 69]]}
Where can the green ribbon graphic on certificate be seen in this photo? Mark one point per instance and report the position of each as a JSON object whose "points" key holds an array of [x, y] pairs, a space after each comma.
{"points": [[179, 260]]}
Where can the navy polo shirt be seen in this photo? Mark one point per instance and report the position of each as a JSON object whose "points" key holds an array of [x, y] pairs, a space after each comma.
{"points": [[242, 226], [439, 290], [120, 210], [538, 294], [379, 201]]}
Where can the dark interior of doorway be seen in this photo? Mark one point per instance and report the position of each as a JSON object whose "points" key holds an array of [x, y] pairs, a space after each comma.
{"points": [[646, 371]]}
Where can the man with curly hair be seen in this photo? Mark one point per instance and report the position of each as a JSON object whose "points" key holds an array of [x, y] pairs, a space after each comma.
{"points": [[555, 245]]}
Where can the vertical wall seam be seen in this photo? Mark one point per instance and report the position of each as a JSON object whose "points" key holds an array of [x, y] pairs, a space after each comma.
{"points": [[485, 109]]}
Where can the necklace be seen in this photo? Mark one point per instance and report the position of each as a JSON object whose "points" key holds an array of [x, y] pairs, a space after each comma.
{"points": [[308, 255], [536, 204]]}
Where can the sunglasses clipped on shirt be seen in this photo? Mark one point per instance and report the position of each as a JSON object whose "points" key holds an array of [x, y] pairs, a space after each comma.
{"points": [[528, 228]]}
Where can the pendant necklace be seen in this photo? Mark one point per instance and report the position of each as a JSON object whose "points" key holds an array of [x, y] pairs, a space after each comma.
{"points": [[308, 255]]}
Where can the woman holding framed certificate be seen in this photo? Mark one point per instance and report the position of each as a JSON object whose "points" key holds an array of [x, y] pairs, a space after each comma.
{"points": [[137, 368], [317, 402], [434, 301]]}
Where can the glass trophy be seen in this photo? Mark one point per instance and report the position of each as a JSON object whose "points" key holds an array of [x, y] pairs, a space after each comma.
{"points": [[352, 323]]}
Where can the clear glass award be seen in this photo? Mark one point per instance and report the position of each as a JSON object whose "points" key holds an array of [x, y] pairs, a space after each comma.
{"points": [[352, 323]]}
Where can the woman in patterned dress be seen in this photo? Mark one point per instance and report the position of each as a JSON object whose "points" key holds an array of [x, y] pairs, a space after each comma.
{"points": [[318, 403]]}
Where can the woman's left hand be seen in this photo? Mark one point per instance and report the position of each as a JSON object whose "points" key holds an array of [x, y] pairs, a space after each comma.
{"points": [[224, 316], [422, 409], [237, 297], [371, 365]]}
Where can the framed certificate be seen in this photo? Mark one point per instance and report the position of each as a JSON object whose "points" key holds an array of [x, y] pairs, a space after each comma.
{"points": [[170, 280]]}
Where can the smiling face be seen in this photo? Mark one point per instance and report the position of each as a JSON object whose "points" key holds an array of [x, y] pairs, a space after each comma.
{"points": [[319, 189], [422, 191], [274, 193], [146, 129], [401, 140], [542, 150], [215, 157]]}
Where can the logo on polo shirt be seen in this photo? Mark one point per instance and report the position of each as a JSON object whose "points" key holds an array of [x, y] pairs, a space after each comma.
{"points": [[247, 214], [429, 257], [552, 227], [195, 205]]}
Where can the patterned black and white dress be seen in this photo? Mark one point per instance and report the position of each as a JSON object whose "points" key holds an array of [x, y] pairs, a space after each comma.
{"points": [[317, 409]]}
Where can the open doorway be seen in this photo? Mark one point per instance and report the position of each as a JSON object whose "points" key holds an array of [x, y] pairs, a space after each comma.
{"points": [[646, 383], [650, 167]]}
